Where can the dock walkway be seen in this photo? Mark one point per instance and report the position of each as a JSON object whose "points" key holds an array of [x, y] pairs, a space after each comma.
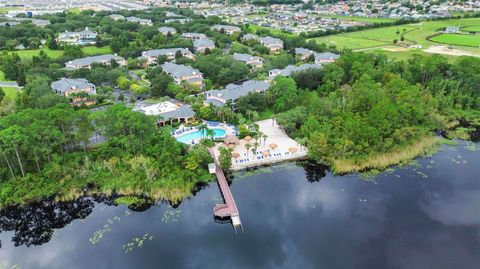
{"points": [[229, 209]]}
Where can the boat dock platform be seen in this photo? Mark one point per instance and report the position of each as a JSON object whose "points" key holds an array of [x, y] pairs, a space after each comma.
{"points": [[229, 209]]}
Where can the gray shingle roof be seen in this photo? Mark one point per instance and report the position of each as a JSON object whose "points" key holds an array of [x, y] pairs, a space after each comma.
{"points": [[287, 71], [179, 70], [303, 51], [65, 85], [157, 52], [95, 59], [244, 57], [165, 30], [203, 42], [185, 111], [267, 40], [326, 56], [218, 27], [234, 91]]}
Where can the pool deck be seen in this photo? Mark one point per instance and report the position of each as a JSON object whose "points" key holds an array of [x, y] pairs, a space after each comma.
{"points": [[183, 130], [275, 135]]}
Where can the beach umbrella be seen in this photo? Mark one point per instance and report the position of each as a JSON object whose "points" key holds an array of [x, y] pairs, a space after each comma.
{"points": [[235, 155], [273, 146], [266, 153], [231, 139], [232, 146], [292, 149], [248, 138]]}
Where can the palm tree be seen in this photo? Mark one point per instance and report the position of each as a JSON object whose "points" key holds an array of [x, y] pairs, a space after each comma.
{"points": [[210, 133], [264, 138], [202, 129], [248, 146]]}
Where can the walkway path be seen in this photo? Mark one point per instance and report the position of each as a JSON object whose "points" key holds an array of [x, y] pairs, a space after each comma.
{"points": [[229, 209], [9, 84]]}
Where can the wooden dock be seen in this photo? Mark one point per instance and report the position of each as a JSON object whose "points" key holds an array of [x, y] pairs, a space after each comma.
{"points": [[229, 209]]}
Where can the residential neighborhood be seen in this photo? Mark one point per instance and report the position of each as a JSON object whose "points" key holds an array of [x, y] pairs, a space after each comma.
{"points": [[239, 134]]}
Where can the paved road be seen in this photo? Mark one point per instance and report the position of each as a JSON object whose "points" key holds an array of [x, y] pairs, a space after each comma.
{"points": [[10, 84]]}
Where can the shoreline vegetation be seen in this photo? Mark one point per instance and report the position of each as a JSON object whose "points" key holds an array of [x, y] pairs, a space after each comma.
{"points": [[424, 146]]}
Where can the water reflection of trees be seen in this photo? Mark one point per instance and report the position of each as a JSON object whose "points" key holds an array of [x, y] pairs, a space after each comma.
{"points": [[313, 172], [34, 224]]}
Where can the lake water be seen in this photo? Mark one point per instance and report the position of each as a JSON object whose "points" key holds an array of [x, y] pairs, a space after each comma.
{"points": [[425, 215]]}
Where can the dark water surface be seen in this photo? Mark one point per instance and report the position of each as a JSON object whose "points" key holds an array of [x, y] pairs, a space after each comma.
{"points": [[425, 215]]}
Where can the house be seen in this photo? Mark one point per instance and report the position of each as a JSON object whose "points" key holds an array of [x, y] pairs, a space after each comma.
{"points": [[85, 37], [200, 45], [139, 21], [9, 23], [233, 92], [117, 17], [248, 37], [254, 61], [287, 71], [181, 73], [87, 62], [178, 20], [152, 55], [67, 87], [228, 29], [452, 30], [193, 36], [326, 57], [273, 44], [303, 53], [167, 112], [167, 30]]}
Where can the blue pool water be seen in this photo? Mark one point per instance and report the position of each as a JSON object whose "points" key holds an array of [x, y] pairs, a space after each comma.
{"points": [[187, 138]]}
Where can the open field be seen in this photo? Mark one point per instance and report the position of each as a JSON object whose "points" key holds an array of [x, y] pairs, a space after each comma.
{"points": [[458, 39], [96, 51], [471, 29], [55, 54], [367, 38], [415, 34], [362, 19], [6, 9]]}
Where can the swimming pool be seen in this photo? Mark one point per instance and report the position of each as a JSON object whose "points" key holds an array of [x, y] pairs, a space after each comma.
{"points": [[187, 138]]}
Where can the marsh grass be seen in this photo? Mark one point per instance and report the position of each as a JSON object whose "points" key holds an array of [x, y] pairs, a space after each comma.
{"points": [[424, 146]]}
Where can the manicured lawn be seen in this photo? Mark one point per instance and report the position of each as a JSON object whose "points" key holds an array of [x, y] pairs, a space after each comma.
{"points": [[471, 28], [362, 19], [458, 39], [366, 39], [415, 33], [267, 114], [347, 42], [6, 9], [10, 92], [55, 54], [96, 51], [28, 54]]}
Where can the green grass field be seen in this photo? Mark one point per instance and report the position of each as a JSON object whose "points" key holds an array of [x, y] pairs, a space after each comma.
{"points": [[415, 34], [55, 54], [96, 51], [366, 39], [10, 92], [362, 19], [458, 39], [471, 29], [6, 9]]}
